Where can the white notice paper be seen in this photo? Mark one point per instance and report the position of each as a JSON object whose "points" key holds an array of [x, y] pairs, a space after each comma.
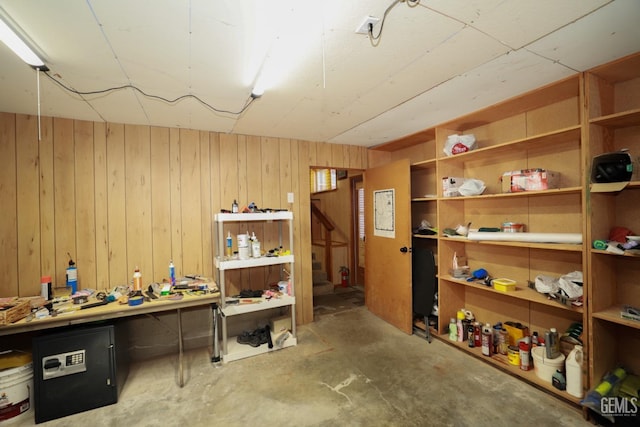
{"points": [[384, 222]]}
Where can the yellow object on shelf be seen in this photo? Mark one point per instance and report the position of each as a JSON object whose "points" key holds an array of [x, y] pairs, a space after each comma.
{"points": [[504, 285]]}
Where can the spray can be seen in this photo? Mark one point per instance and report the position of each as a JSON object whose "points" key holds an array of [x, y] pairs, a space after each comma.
{"points": [[477, 334], [137, 279], [172, 273], [525, 360], [487, 339], [72, 276], [229, 244]]}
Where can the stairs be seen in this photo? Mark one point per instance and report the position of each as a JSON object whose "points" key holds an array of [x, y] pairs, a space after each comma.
{"points": [[321, 286]]}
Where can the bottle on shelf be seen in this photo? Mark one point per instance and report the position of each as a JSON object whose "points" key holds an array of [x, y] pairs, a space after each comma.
{"points": [[459, 325], [552, 343], [234, 206], [574, 371], [172, 273], [525, 356], [487, 339], [137, 279], [229, 244], [72, 276], [453, 330]]}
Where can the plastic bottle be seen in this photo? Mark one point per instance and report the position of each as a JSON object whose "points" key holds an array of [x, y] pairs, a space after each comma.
{"points": [[137, 279], [234, 206], [453, 330], [477, 334], [172, 273], [255, 246], [229, 244], [487, 339], [574, 371], [470, 340], [72, 276], [460, 327]]}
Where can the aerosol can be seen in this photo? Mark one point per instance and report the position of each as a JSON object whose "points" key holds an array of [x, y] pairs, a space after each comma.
{"points": [[72, 276]]}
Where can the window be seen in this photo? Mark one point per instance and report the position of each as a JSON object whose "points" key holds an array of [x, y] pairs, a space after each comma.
{"points": [[323, 180]]}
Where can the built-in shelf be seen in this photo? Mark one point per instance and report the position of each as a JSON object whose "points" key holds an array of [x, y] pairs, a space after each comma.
{"points": [[502, 362], [521, 292], [612, 314], [618, 120], [569, 247], [550, 192]]}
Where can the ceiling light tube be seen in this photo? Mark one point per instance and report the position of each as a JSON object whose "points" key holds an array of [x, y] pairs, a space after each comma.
{"points": [[9, 37]]}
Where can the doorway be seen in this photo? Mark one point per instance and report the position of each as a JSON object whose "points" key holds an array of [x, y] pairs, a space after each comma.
{"points": [[337, 231]]}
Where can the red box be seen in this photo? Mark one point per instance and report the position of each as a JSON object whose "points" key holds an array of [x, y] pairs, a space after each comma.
{"points": [[529, 180]]}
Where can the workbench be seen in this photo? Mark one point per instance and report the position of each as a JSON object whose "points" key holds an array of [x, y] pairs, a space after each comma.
{"points": [[115, 310]]}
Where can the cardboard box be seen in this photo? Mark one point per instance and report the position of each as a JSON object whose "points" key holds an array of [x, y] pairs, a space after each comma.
{"points": [[515, 331], [451, 185], [14, 310], [280, 324], [529, 180]]}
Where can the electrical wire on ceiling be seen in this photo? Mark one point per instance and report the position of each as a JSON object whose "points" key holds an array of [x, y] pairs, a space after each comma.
{"points": [[375, 40], [249, 101]]}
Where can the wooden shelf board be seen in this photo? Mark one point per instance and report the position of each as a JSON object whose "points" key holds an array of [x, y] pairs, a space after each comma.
{"points": [[407, 141], [547, 246], [263, 304], [425, 236], [550, 192], [612, 314], [521, 292], [501, 361], [425, 164], [424, 199], [626, 254], [493, 151], [618, 120]]}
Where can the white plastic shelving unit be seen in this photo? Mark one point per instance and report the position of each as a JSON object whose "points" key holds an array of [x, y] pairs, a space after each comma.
{"points": [[231, 350]]}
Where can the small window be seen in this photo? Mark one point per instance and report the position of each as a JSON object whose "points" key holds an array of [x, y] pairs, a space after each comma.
{"points": [[323, 180]]}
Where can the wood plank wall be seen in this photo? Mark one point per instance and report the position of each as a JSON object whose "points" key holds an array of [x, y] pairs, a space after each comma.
{"points": [[117, 196]]}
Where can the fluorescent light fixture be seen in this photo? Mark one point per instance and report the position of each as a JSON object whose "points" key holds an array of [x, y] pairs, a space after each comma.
{"points": [[9, 37]]}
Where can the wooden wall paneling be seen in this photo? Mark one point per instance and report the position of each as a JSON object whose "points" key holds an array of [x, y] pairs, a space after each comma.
{"points": [[378, 158], [229, 190], [297, 220], [254, 187], [65, 217], [285, 180], [191, 202], [559, 115], [116, 208], [138, 200], [216, 193], [85, 204], [339, 158], [48, 265], [206, 215], [101, 203], [9, 285], [175, 164], [357, 157], [271, 193], [304, 285], [323, 153], [160, 153]]}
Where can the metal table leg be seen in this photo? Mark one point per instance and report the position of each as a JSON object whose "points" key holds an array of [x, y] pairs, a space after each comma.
{"points": [[180, 369]]}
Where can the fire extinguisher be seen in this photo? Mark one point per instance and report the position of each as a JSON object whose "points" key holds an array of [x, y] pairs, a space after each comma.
{"points": [[344, 276]]}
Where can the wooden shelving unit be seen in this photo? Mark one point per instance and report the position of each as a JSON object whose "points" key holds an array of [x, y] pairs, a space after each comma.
{"points": [[613, 115], [558, 127]]}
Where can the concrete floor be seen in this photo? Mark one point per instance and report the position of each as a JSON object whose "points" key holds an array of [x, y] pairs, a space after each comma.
{"points": [[349, 369]]}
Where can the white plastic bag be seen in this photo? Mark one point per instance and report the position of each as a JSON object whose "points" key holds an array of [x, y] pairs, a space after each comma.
{"points": [[472, 187], [457, 144]]}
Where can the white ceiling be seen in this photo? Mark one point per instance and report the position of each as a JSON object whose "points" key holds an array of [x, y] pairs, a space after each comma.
{"points": [[434, 62]]}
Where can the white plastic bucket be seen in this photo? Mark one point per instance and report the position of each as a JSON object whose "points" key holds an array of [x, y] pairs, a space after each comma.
{"points": [[16, 393], [543, 366]]}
